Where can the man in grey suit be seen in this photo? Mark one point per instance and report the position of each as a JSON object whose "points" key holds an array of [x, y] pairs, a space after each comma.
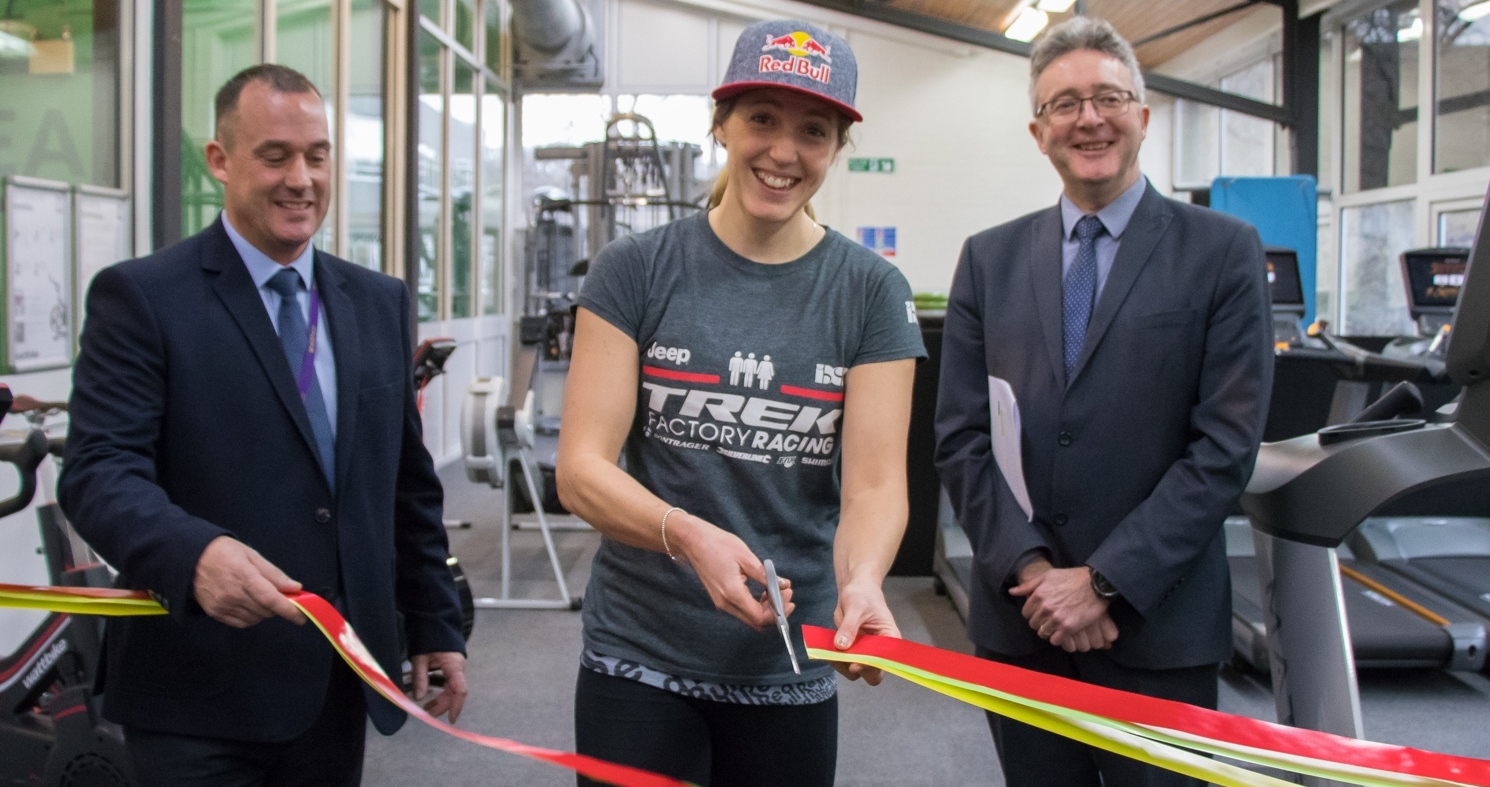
{"points": [[1134, 331]]}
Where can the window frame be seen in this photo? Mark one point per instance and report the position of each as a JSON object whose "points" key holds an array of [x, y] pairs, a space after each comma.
{"points": [[486, 80], [1429, 193]]}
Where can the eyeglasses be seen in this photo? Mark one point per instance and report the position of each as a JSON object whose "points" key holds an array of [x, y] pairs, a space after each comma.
{"points": [[1066, 108]]}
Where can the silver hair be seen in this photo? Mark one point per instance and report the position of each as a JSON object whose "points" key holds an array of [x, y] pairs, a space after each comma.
{"points": [[1082, 32]]}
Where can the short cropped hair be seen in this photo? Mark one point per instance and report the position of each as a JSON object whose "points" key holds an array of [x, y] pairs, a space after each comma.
{"points": [[1082, 32], [280, 79]]}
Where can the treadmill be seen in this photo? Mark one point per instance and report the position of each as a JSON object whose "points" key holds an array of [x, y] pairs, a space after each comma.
{"points": [[1392, 623], [1309, 494], [1448, 555]]}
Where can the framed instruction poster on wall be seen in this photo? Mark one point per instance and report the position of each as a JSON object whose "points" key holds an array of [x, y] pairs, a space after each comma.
{"points": [[38, 274], [100, 238]]}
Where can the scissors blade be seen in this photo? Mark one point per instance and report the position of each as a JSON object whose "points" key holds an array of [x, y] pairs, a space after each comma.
{"points": [[774, 591]]}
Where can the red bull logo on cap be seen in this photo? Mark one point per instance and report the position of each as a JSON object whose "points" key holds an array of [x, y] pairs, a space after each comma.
{"points": [[799, 44], [801, 47]]}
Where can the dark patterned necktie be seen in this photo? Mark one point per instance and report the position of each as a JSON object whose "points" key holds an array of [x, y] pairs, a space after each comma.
{"points": [[1079, 291]]}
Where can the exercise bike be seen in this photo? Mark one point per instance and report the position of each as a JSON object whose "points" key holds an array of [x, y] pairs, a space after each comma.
{"points": [[429, 363], [52, 730]]}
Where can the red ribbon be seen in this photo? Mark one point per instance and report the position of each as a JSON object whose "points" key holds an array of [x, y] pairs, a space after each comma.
{"points": [[1167, 714], [105, 601], [341, 635]]}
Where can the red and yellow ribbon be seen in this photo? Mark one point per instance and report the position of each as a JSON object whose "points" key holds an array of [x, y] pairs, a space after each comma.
{"points": [[98, 601], [1160, 732]]}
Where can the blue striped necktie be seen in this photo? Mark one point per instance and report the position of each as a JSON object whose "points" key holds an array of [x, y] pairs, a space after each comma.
{"points": [[1079, 292], [294, 338]]}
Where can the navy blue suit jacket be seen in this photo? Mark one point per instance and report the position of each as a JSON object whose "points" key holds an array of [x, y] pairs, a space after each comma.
{"points": [[186, 425], [1133, 463]]}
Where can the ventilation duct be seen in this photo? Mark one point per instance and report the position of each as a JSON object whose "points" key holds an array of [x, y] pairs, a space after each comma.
{"points": [[558, 45]]}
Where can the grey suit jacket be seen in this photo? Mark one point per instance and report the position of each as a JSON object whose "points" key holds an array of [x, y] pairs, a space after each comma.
{"points": [[1134, 462]]}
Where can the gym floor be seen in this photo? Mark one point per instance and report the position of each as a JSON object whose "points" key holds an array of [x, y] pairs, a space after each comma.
{"points": [[523, 664]]}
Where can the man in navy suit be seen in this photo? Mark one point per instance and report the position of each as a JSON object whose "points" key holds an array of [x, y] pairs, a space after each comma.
{"points": [[243, 424], [1134, 331]]}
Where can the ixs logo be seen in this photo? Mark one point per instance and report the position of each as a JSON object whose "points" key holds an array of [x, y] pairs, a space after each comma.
{"points": [[829, 375], [679, 355], [744, 422]]}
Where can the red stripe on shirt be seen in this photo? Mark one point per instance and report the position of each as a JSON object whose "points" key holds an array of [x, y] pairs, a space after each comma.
{"points": [[687, 377], [826, 396]]}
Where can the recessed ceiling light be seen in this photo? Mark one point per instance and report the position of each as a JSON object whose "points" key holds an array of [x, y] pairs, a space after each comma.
{"points": [[1412, 32], [1475, 12], [1027, 25]]}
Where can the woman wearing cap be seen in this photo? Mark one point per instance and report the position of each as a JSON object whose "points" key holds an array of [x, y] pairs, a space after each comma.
{"points": [[754, 368]]}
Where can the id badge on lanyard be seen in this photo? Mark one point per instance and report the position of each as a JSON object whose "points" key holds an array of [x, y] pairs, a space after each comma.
{"points": [[307, 376]]}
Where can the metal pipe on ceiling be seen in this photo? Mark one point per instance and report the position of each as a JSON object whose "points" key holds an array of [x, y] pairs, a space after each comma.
{"points": [[550, 26]]}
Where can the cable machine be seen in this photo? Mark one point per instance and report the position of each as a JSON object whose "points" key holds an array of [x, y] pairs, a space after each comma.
{"points": [[630, 182]]}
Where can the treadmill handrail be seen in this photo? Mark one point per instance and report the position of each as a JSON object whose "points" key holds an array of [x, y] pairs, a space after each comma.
{"points": [[1282, 498]]}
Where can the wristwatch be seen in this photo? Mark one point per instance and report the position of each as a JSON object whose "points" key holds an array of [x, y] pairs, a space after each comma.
{"points": [[1101, 586]]}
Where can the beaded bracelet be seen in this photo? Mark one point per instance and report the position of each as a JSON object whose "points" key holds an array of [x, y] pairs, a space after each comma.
{"points": [[665, 547]]}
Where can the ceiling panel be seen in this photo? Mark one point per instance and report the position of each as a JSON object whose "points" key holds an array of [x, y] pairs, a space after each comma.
{"points": [[1134, 19]]}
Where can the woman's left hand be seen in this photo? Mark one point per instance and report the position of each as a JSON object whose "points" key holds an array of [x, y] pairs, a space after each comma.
{"points": [[861, 610]]}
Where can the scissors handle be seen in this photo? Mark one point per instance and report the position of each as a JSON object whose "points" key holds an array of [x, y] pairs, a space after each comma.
{"points": [[773, 587]]}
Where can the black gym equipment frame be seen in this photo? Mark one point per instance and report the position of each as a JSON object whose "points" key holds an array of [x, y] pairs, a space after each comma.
{"points": [[1308, 494]]}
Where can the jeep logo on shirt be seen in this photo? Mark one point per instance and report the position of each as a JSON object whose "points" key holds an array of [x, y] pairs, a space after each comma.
{"points": [[678, 355]]}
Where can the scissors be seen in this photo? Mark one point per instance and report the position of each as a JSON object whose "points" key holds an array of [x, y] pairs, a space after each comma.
{"points": [[773, 588]]}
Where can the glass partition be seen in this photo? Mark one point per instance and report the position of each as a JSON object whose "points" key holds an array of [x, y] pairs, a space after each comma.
{"points": [[217, 41], [493, 174], [1371, 239], [304, 41], [1381, 97], [1461, 138], [431, 176], [59, 91], [364, 139], [1246, 141], [462, 188]]}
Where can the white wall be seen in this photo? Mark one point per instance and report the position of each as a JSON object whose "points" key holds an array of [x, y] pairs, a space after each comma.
{"points": [[955, 120], [953, 117]]}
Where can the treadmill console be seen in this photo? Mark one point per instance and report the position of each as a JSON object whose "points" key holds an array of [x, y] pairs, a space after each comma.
{"points": [[1288, 295], [1433, 278]]}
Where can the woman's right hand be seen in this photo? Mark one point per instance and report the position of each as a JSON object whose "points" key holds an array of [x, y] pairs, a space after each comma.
{"points": [[723, 564]]}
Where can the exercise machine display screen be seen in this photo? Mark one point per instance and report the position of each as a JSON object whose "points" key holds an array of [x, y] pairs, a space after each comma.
{"points": [[1434, 276], [1283, 277]]}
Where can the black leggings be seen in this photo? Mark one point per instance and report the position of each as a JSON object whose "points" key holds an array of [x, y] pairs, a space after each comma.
{"points": [[712, 744]]}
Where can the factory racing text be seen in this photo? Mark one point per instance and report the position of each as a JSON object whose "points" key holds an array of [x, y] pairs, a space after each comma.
{"points": [[739, 426]]}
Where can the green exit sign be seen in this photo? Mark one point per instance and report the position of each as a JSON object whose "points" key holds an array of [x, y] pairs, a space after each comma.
{"points": [[885, 165]]}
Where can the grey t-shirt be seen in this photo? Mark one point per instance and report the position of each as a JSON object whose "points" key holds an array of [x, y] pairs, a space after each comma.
{"points": [[737, 421]]}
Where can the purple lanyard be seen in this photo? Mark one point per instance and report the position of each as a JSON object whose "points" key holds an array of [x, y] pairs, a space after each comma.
{"points": [[307, 376]]}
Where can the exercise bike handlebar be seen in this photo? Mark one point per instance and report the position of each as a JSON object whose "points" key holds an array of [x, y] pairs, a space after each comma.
{"points": [[26, 455], [1375, 366]]}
